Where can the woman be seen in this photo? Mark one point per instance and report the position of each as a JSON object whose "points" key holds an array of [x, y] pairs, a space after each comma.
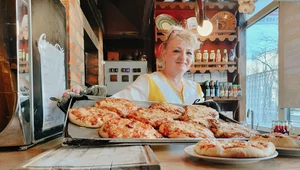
{"points": [[176, 56]]}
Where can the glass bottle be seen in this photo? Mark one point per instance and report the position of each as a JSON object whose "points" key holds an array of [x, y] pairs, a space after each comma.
{"points": [[235, 91], [239, 89], [291, 128], [225, 89], [217, 89], [218, 57], [221, 90], [225, 57], [207, 89], [231, 55], [198, 58], [212, 57], [205, 57], [212, 89], [230, 91]]}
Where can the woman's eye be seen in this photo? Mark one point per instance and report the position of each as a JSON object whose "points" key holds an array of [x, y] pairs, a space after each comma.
{"points": [[189, 53], [176, 51]]}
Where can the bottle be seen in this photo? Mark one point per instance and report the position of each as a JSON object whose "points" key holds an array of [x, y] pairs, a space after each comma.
{"points": [[277, 127], [225, 57], [218, 57], [273, 129], [284, 127], [212, 89], [207, 89], [212, 57], [198, 58], [231, 55], [291, 129], [239, 90], [205, 57], [221, 90], [217, 89], [225, 89], [230, 91], [235, 90]]}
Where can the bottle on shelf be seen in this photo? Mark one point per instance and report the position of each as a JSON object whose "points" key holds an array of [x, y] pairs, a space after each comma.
{"points": [[207, 89], [205, 57], [212, 57], [221, 90], [225, 85], [217, 89], [218, 57], [239, 90], [231, 55], [235, 90], [198, 58], [230, 91], [225, 57], [212, 89], [291, 128]]}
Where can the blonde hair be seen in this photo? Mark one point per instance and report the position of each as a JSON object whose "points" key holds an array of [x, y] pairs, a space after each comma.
{"points": [[179, 33]]}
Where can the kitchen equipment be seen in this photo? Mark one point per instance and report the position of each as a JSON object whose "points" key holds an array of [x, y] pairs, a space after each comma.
{"points": [[31, 70], [119, 74]]}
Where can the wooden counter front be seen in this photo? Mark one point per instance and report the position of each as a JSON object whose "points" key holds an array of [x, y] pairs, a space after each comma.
{"points": [[171, 157]]}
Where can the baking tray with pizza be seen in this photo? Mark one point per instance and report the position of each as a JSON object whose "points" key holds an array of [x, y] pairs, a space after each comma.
{"points": [[110, 121]]}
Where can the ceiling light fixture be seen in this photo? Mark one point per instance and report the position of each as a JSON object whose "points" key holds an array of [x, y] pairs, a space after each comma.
{"points": [[207, 26]]}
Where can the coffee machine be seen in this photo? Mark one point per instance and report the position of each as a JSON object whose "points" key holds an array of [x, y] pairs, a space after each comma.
{"points": [[27, 30]]}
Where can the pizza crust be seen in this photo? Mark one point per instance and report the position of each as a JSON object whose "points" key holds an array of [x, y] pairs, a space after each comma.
{"points": [[234, 148], [179, 129], [121, 106], [278, 139]]}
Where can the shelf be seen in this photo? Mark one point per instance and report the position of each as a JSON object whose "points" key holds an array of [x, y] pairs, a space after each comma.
{"points": [[204, 67], [223, 98], [216, 35], [191, 5]]}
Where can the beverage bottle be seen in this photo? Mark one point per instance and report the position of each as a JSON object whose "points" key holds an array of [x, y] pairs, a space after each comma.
{"points": [[277, 128], [217, 89], [284, 127], [235, 91], [205, 57], [198, 58], [230, 91], [212, 89], [212, 57], [239, 90], [291, 128], [231, 55], [273, 129], [221, 90], [207, 89], [225, 57], [218, 57], [225, 89]]}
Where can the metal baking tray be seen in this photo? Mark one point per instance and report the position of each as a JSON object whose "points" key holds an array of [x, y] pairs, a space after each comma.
{"points": [[76, 135]]}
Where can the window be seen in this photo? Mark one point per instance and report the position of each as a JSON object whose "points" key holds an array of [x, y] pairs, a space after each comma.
{"points": [[262, 69]]}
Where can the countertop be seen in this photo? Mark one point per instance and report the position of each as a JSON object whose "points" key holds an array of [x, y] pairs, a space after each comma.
{"points": [[171, 157]]}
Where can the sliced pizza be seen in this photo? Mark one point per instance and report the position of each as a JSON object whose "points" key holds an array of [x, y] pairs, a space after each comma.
{"points": [[203, 115], [92, 117], [126, 128], [174, 110], [179, 129], [118, 105], [279, 140], [234, 148], [231, 130], [154, 117]]}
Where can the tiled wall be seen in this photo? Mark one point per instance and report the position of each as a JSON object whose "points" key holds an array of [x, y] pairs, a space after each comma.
{"points": [[77, 58]]}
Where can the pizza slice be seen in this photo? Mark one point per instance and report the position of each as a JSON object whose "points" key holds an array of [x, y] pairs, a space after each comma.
{"points": [[231, 130], [234, 148], [92, 117], [179, 129], [278, 139], [126, 128], [121, 106], [174, 110]]}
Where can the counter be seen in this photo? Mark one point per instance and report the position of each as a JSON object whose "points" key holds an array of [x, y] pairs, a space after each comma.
{"points": [[171, 157]]}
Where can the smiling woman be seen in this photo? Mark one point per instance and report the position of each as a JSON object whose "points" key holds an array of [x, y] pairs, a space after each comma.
{"points": [[176, 54]]}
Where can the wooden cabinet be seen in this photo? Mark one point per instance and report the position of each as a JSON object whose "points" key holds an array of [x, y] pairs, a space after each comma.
{"points": [[223, 37]]}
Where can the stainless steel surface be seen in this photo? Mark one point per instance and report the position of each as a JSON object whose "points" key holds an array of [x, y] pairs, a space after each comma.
{"points": [[76, 135]]}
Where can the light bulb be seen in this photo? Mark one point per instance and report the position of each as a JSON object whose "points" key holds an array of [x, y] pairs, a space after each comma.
{"points": [[206, 28]]}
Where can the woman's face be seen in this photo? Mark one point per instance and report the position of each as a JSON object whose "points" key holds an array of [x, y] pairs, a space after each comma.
{"points": [[178, 56]]}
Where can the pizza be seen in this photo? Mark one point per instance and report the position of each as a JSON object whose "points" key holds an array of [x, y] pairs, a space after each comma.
{"points": [[153, 117], [231, 130], [179, 129], [174, 110], [126, 128], [118, 105], [278, 139], [234, 148], [92, 117], [203, 115]]}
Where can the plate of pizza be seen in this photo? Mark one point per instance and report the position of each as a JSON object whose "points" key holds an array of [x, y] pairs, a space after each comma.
{"points": [[288, 151], [232, 151]]}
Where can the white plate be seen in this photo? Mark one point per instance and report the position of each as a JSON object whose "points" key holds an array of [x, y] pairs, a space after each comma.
{"points": [[235, 161], [288, 151]]}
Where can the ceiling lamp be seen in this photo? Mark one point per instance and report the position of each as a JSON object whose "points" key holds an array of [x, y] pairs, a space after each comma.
{"points": [[206, 27]]}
